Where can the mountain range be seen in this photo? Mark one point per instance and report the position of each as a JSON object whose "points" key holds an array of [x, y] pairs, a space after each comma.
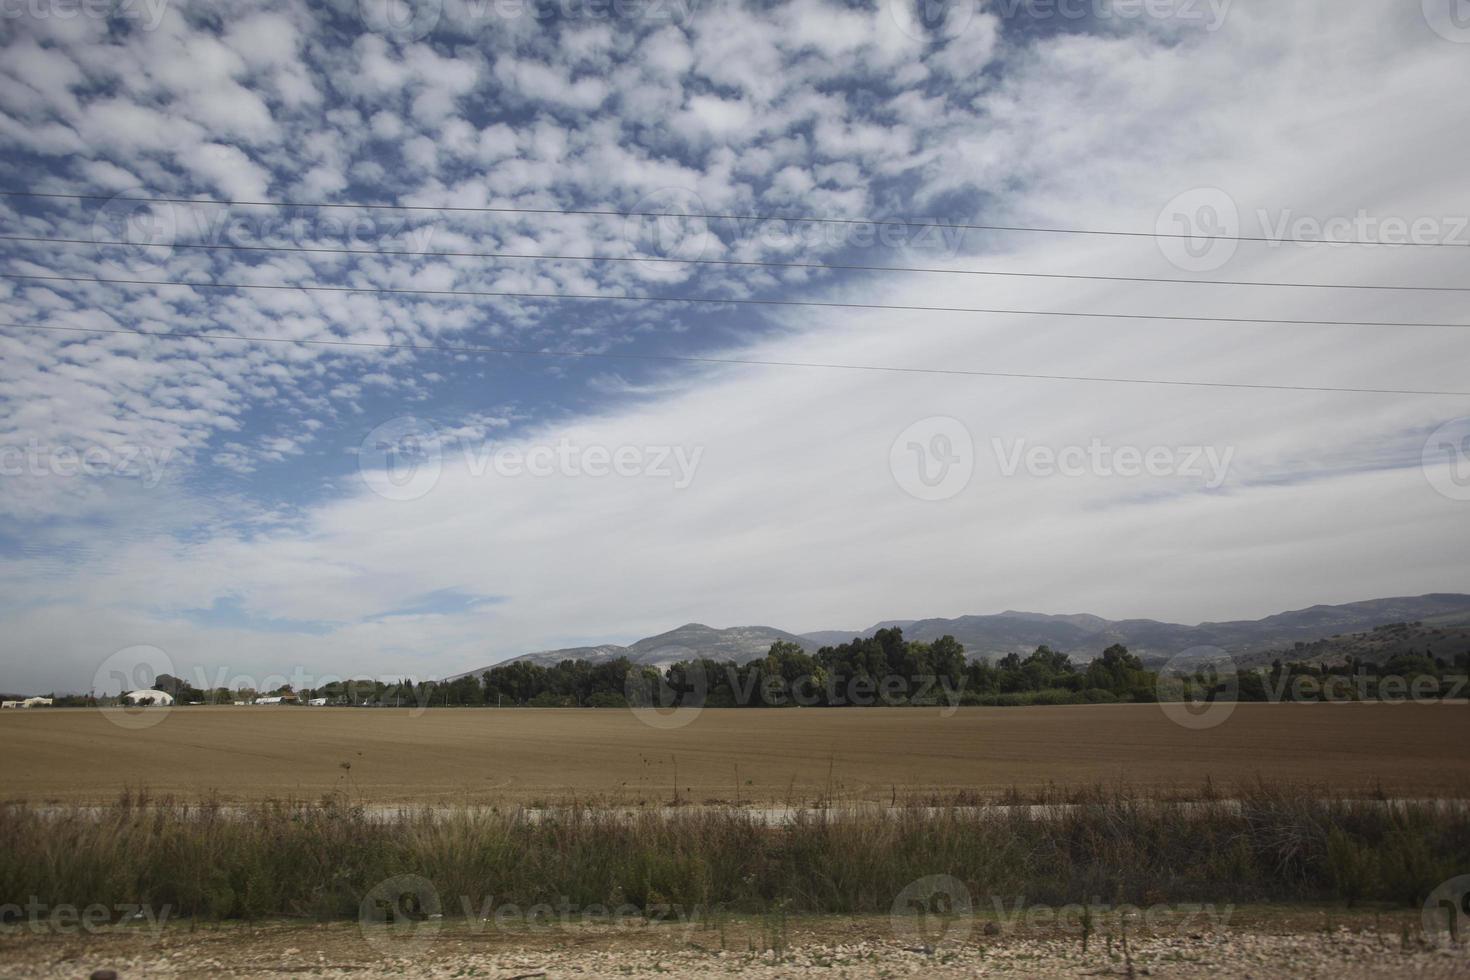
{"points": [[1084, 636], [692, 641]]}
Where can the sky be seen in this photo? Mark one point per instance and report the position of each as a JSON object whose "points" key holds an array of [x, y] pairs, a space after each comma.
{"points": [[433, 482]]}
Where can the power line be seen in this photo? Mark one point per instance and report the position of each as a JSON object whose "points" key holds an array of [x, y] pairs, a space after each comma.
{"points": [[795, 218], [635, 298], [738, 361], [758, 263]]}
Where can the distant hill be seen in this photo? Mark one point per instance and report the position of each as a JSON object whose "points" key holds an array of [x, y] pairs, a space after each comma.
{"points": [[1378, 646], [1082, 635], [1085, 636], [689, 642]]}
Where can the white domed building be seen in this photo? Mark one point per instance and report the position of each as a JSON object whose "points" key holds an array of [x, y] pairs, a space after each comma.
{"points": [[161, 698]]}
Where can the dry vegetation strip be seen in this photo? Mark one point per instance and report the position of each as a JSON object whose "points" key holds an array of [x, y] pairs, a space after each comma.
{"points": [[796, 755], [322, 861]]}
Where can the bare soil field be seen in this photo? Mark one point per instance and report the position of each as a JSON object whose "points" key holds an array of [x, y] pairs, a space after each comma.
{"points": [[458, 755], [1255, 943]]}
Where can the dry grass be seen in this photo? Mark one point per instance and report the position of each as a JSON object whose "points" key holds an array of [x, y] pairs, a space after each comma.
{"points": [[267, 860], [727, 756]]}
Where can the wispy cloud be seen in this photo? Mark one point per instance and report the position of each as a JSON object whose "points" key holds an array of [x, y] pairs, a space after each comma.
{"points": [[260, 525]]}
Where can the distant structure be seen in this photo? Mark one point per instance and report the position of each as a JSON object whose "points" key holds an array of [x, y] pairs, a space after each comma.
{"points": [[36, 703], [160, 698], [287, 698], [317, 702], [9, 704]]}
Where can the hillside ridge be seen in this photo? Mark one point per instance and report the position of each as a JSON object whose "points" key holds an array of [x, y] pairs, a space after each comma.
{"points": [[1082, 635]]}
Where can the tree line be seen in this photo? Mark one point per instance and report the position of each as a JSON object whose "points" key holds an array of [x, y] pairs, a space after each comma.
{"points": [[884, 669], [887, 669]]}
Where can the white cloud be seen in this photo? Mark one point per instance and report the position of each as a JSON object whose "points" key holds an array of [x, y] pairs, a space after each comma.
{"points": [[716, 116], [793, 506]]}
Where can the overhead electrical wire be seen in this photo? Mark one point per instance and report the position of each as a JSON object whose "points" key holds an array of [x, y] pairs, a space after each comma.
{"points": [[794, 218], [702, 300], [752, 263], [709, 360]]}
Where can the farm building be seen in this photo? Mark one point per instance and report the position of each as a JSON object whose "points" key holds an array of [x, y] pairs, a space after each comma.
{"points": [[149, 697], [9, 704], [287, 698], [36, 703]]}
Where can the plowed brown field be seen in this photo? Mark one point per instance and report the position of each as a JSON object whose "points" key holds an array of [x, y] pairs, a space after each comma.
{"points": [[747, 755]]}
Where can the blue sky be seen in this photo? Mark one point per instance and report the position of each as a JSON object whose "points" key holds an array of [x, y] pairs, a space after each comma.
{"points": [[269, 507]]}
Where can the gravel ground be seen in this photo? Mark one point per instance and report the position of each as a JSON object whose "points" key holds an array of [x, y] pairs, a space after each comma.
{"points": [[1264, 946]]}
